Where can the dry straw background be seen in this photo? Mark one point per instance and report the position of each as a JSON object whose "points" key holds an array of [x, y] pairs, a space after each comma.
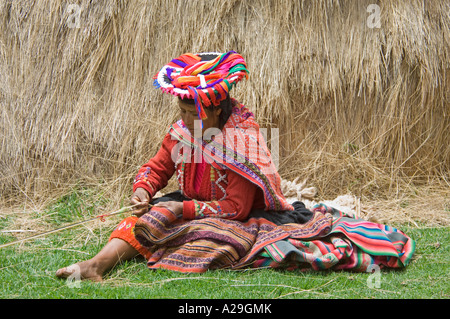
{"points": [[360, 110]]}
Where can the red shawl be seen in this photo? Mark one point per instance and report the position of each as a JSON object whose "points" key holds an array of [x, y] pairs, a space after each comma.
{"points": [[240, 147]]}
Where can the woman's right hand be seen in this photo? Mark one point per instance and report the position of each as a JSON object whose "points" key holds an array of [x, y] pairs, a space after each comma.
{"points": [[141, 198]]}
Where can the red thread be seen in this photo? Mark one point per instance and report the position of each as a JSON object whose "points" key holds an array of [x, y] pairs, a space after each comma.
{"points": [[102, 217]]}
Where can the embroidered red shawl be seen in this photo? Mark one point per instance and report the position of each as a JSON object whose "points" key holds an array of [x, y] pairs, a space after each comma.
{"points": [[240, 147]]}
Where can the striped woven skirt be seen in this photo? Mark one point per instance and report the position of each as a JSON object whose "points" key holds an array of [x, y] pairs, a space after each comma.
{"points": [[328, 240]]}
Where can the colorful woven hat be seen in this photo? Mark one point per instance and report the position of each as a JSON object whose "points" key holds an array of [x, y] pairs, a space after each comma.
{"points": [[205, 77]]}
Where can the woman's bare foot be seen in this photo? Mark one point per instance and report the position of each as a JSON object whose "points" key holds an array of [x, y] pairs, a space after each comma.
{"points": [[116, 250], [86, 270]]}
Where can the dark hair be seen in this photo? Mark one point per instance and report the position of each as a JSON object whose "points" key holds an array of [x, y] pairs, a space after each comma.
{"points": [[225, 105]]}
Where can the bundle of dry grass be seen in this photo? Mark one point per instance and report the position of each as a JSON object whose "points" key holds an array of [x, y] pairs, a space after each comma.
{"points": [[361, 107]]}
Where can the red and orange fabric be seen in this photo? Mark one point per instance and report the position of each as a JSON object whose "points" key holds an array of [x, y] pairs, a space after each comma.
{"points": [[125, 231]]}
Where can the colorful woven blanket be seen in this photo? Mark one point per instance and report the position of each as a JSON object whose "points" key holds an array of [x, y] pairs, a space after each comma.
{"points": [[330, 240]]}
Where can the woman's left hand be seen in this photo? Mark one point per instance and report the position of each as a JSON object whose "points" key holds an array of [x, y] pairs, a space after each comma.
{"points": [[175, 207]]}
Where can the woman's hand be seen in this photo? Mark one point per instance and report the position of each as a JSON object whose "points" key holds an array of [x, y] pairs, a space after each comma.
{"points": [[141, 198], [175, 207]]}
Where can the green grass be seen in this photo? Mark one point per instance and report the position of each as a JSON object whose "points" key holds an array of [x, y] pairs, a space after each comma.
{"points": [[27, 270]]}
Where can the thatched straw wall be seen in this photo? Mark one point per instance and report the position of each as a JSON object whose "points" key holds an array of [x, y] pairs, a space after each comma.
{"points": [[359, 107]]}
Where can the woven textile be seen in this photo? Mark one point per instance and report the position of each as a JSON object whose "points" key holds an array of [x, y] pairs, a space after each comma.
{"points": [[351, 244], [321, 243]]}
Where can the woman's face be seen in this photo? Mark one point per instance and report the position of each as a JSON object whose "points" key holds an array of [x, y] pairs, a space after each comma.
{"points": [[190, 118]]}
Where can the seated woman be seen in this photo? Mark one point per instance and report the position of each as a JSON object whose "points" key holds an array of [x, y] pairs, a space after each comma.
{"points": [[207, 190], [229, 206]]}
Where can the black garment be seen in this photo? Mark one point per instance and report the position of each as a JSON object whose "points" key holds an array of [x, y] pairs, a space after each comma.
{"points": [[299, 215], [174, 196]]}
